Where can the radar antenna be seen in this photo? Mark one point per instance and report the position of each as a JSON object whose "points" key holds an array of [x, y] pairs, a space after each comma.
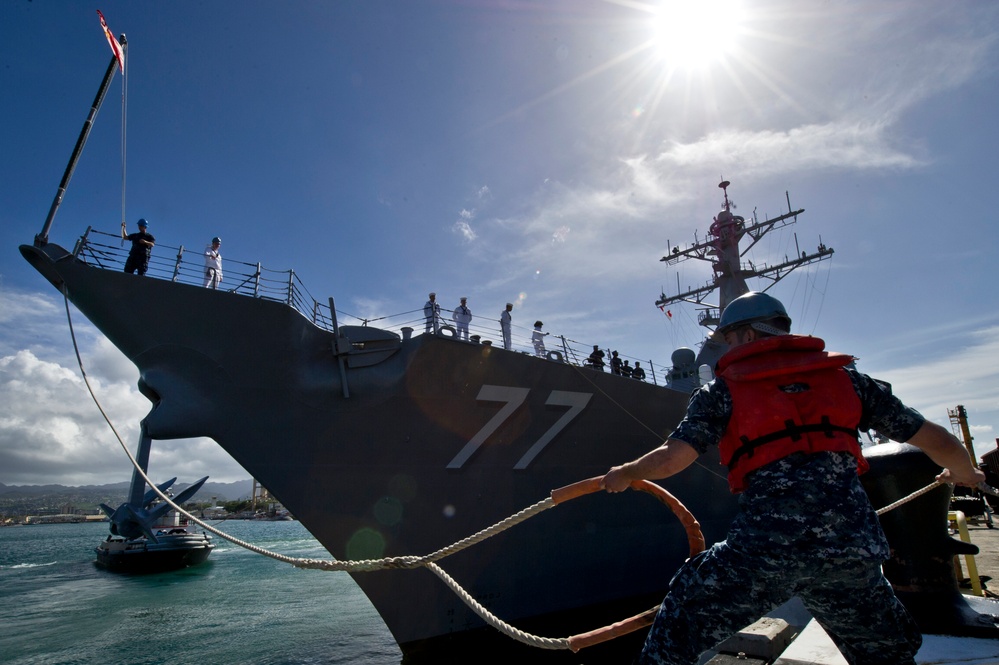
{"points": [[722, 248]]}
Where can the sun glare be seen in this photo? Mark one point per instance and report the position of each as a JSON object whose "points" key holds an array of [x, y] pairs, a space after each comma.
{"points": [[695, 33]]}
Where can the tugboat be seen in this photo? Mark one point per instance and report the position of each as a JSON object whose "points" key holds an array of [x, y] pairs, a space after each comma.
{"points": [[147, 534], [172, 546]]}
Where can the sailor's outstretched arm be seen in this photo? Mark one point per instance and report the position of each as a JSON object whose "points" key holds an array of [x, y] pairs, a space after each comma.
{"points": [[944, 449], [670, 458]]}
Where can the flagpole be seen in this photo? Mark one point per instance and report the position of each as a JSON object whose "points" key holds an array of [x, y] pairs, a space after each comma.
{"points": [[42, 238]]}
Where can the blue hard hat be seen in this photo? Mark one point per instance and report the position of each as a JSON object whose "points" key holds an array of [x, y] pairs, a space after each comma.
{"points": [[217, 239], [143, 223], [753, 307]]}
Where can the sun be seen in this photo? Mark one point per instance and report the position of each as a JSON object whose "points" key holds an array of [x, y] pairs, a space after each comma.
{"points": [[692, 34]]}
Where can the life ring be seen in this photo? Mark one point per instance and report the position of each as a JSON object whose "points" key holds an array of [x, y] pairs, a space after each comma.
{"points": [[449, 330], [554, 355], [695, 539]]}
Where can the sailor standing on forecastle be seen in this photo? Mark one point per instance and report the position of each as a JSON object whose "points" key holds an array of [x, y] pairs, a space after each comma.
{"points": [[432, 311], [142, 248], [538, 339], [213, 264], [504, 321], [462, 316]]}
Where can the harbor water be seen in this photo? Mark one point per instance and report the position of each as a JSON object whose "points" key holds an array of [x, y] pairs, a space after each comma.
{"points": [[57, 607]]}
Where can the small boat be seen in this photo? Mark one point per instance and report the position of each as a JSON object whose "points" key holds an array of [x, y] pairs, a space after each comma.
{"points": [[175, 547], [147, 534]]}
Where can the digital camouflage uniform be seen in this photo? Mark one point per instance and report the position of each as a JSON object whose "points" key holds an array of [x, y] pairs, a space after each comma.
{"points": [[805, 528]]}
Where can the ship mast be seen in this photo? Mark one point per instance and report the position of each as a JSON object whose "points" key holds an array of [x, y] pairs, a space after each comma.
{"points": [[42, 238], [722, 248]]}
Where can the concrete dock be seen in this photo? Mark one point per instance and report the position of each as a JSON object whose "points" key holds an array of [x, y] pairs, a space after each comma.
{"points": [[987, 560], [811, 646]]}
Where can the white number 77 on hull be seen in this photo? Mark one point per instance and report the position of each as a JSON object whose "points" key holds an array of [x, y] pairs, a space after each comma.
{"points": [[514, 397]]}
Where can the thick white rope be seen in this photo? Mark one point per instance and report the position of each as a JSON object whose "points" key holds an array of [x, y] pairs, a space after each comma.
{"points": [[497, 623], [906, 499]]}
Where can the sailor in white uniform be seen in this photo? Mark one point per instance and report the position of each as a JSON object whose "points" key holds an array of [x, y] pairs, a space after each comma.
{"points": [[213, 264], [432, 310], [504, 321], [538, 339], [462, 316]]}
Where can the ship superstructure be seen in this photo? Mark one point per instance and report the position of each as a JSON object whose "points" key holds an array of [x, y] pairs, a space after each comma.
{"points": [[723, 248]]}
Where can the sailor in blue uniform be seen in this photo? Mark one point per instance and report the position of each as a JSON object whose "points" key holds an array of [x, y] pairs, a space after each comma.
{"points": [[142, 248], [785, 415], [596, 359], [615, 363], [638, 372]]}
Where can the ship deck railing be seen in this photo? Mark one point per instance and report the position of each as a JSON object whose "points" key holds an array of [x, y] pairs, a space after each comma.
{"points": [[187, 266]]}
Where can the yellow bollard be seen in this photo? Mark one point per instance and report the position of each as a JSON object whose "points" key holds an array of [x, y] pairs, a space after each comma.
{"points": [[956, 518]]}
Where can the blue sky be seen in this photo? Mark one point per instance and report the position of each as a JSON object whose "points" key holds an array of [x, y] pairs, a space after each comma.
{"points": [[538, 153]]}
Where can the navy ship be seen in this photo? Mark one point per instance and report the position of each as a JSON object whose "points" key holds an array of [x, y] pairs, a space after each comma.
{"points": [[383, 442]]}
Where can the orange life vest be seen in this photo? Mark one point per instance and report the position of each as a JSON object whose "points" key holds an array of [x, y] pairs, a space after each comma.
{"points": [[788, 396]]}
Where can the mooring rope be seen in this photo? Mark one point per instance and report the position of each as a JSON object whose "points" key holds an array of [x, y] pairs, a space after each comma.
{"points": [[428, 561], [906, 499], [551, 643], [410, 562]]}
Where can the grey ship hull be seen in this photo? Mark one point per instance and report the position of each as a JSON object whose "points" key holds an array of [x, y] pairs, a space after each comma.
{"points": [[390, 469]]}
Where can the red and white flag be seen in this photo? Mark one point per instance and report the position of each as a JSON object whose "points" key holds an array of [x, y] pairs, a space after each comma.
{"points": [[113, 43]]}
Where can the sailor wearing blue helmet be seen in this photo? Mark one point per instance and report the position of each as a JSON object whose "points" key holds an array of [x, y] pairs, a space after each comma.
{"points": [[785, 415], [142, 248]]}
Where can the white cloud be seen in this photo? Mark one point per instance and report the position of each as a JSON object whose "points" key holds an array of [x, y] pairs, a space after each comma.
{"points": [[965, 376], [50, 428], [51, 431], [844, 144], [463, 226]]}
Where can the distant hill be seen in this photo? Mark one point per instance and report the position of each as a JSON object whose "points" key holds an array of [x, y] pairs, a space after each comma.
{"points": [[29, 499]]}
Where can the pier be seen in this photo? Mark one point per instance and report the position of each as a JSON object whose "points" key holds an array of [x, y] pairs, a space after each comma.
{"points": [[789, 639]]}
